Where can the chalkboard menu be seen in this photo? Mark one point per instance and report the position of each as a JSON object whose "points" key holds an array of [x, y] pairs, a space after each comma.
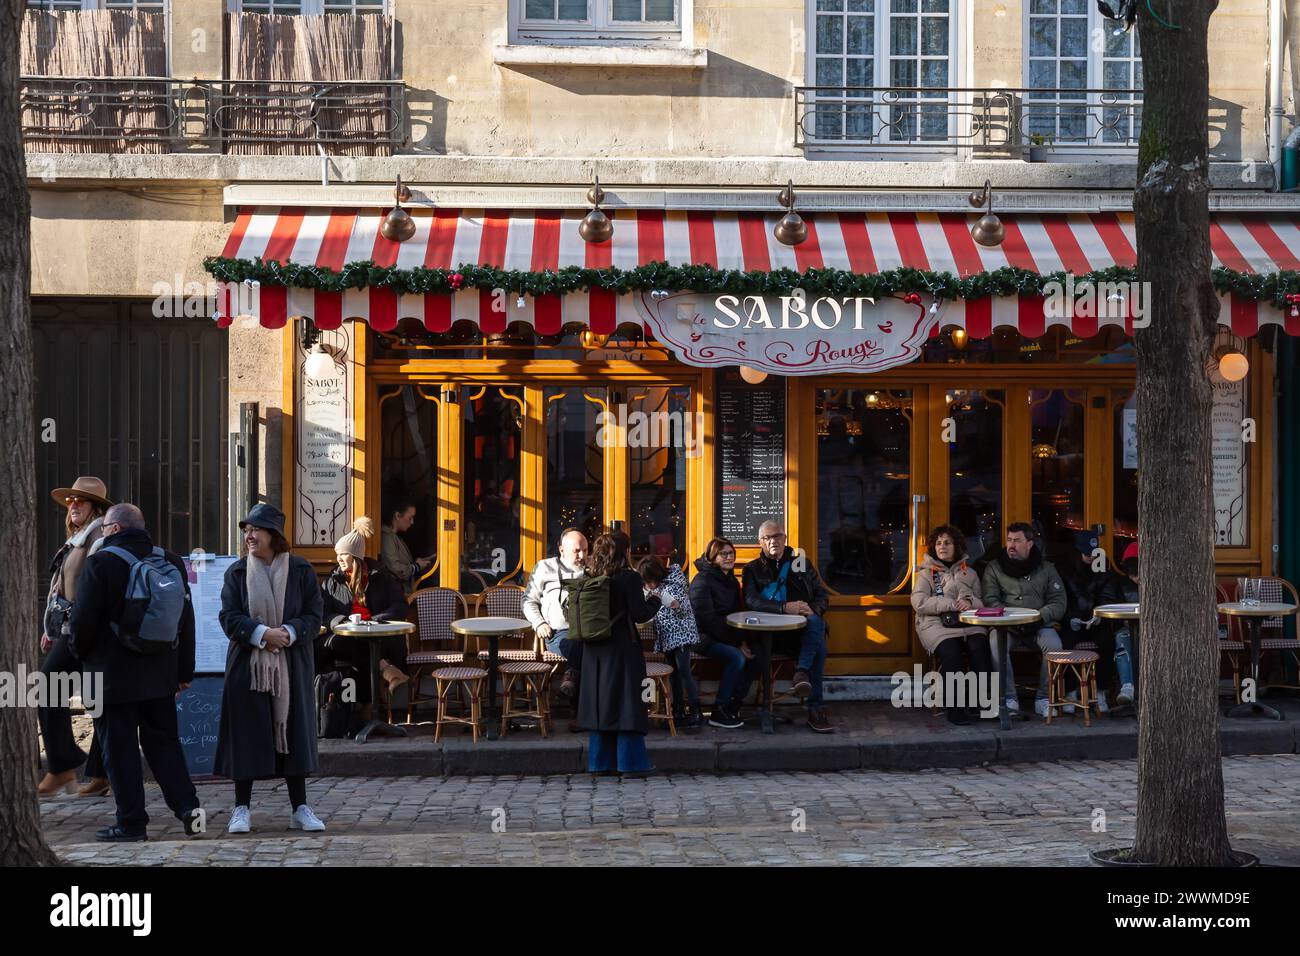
{"points": [[750, 430], [198, 715]]}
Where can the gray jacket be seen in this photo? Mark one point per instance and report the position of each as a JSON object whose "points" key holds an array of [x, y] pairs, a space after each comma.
{"points": [[544, 596]]}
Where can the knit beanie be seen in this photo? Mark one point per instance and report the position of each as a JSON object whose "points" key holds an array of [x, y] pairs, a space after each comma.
{"points": [[354, 542]]}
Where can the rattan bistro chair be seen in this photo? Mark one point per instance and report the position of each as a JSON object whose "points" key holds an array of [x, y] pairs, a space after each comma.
{"points": [[659, 671], [1272, 630], [433, 645], [1233, 645]]}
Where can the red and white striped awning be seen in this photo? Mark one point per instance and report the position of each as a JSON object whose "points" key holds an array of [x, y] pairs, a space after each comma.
{"points": [[862, 242]]}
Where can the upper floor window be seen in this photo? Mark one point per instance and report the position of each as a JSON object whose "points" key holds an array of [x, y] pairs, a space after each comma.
{"points": [[1088, 74], [877, 61], [596, 21], [293, 7]]}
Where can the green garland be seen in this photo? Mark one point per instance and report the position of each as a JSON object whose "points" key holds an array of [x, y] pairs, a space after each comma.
{"points": [[1271, 287]]}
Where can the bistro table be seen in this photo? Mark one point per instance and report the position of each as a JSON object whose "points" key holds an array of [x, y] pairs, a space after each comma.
{"points": [[764, 625], [998, 624], [373, 632], [492, 628], [1254, 615], [1124, 612]]}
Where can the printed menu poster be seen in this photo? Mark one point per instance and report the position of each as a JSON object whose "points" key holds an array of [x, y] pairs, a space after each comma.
{"points": [[1229, 454], [206, 575], [751, 461]]}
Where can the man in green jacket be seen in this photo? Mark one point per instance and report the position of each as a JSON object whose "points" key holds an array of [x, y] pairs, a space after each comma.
{"points": [[1019, 577]]}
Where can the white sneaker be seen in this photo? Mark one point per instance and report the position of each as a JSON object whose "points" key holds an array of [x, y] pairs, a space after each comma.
{"points": [[304, 819], [1102, 707], [241, 821], [1013, 705], [1040, 707], [1125, 695], [1072, 695]]}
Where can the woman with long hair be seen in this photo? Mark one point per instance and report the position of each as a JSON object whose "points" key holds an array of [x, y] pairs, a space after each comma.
{"points": [[86, 501], [610, 706], [271, 611]]}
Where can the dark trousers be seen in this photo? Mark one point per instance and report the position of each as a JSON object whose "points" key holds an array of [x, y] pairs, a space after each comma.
{"points": [[149, 725], [685, 690], [61, 750], [297, 791], [950, 653]]}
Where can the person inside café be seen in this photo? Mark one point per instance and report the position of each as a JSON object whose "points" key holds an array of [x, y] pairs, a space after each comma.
{"points": [[945, 585], [543, 604], [394, 553], [781, 581], [1019, 577]]}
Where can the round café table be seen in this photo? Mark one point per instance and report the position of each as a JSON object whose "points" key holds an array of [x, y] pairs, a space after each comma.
{"points": [[998, 624], [763, 625], [493, 629], [1254, 615], [1125, 612], [373, 632]]}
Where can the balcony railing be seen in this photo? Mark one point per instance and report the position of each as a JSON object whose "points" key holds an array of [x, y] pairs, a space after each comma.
{"points": [[153, 114], [979, 121]]}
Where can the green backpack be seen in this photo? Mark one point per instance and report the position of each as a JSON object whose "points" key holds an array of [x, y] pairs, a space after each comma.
{"points": [[587, 608]]}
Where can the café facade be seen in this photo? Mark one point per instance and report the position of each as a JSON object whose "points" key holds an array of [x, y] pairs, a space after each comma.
{"points": [[681, 372]]}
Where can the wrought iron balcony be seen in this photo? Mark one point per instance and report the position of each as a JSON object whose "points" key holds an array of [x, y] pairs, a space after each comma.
{"points": [[161, 114], [989, 122]]}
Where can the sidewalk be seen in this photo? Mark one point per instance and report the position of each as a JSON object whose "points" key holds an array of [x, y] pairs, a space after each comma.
{"points": [[869, 735]]}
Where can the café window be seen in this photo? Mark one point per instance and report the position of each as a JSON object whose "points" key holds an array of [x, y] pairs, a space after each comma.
{"points": [[575, 463], [1124, 490], [409, 469], [1057, 468], [491, 435], [663, 434], [975, 468], [597, 21], [863, 488]]}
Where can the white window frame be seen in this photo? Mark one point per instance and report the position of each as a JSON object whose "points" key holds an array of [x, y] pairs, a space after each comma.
{"points": [[1098, 27], [311, 7], [958, 17], [600, 28]]}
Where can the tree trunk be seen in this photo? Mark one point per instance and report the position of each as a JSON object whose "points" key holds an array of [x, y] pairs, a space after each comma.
{"points": [[22, 842], [1180, 816]]}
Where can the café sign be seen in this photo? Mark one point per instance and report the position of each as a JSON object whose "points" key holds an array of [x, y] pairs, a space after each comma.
{"points": [[791, 334]]}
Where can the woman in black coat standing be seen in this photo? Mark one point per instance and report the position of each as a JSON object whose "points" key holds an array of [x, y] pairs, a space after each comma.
{"points": [[271, 611], [610, 705]]}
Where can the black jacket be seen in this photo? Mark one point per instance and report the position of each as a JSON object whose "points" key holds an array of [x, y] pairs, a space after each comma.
{"points": [[245, 739], [714, 595], [128, 677], [613, 670], [384, 595], [805, 585]]}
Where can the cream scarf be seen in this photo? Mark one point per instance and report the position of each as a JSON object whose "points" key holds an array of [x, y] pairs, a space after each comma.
{"points": [[266, 585]]}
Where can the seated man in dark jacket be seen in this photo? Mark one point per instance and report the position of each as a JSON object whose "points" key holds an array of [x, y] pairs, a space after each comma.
{"points": [[780, 581], [139, 690]]}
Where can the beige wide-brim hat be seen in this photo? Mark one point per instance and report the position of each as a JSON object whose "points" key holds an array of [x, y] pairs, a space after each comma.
{"points": [[90, 488]]}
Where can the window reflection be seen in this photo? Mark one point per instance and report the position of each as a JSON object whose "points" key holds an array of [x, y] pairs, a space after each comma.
{"points": [[409, 462], [493, 422], [975, 468], [575, 466], [1124, 471], [662, 434], [863, 483], [1056, 453]]}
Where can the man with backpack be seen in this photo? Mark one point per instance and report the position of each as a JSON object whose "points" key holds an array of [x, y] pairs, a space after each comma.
{"points": [[132, 624]]}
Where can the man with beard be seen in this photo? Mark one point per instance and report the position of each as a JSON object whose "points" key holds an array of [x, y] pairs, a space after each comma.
{"points": [[1019, 577]]}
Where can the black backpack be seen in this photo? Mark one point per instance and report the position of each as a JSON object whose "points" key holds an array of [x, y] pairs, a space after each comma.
{"points": [[333, 713]]}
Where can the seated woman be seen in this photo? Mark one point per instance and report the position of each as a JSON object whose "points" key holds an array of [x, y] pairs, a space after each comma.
{"points": [[360, 585], [715, 593], [945, 585]]}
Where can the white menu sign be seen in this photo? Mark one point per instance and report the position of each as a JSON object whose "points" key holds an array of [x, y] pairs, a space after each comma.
{"points": [[324, 446], [1229, 455], [207, 573]]}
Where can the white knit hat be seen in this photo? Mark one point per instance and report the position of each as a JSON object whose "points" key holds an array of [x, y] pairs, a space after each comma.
{"points": [[354, 542]]}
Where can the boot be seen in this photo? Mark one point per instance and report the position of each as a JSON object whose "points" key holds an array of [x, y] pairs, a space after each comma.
{"points": [[94, 787], [958, 716], [394, 675], [52, 783]]}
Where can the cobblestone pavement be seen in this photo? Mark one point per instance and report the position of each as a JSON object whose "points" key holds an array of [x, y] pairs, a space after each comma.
{"points": [[1016, 815]]}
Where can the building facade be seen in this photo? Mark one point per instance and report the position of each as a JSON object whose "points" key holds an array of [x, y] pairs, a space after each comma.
{"points": [[163, 134]]}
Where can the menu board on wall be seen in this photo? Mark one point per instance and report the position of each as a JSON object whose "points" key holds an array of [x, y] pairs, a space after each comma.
{"points": [[750, 429], [1230, 462], [324, 445], [207, 574]]}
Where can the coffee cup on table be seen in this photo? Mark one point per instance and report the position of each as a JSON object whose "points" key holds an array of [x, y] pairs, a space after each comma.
{"points": [[355, 618]]}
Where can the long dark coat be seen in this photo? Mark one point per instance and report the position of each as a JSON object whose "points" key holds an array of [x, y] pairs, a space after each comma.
{"points": [[609, 698], [245, 744]]}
